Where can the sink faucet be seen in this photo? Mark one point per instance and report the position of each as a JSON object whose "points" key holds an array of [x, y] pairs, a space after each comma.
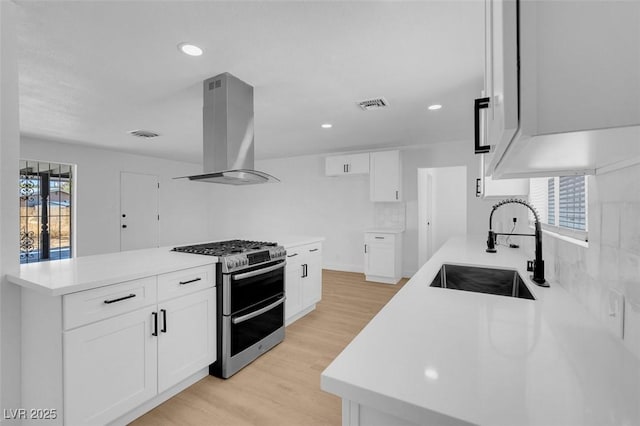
{"points": [[538, 263]]}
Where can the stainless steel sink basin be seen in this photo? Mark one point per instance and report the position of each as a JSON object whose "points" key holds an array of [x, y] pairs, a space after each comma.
{"points": [[502, 282]]}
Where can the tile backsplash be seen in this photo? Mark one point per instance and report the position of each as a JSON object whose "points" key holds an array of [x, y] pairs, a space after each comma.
{"points": [[612, 260], [389, 215]]}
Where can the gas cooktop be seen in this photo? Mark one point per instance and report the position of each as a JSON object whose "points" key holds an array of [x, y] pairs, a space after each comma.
{"points": [[226, 248], [237, 254]]}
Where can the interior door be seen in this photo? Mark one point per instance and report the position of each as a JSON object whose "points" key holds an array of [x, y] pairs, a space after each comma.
{"points": [[139, 216]]}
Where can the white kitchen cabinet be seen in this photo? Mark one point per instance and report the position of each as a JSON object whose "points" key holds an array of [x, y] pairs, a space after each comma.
{"points": [[487, 187], [110, 351], [186, 337], [576, 88], [385, 176], [110, 367], [383, 257], [303, 280], [344, 165]]}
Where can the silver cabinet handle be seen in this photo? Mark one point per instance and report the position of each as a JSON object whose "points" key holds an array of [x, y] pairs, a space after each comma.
{"points": [[243, 318], [258, 272]]}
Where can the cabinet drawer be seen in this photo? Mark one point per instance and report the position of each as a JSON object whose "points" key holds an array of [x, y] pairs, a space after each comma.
{"points": [[371, 237], [310, 249], [185, 281], [88, 306]]}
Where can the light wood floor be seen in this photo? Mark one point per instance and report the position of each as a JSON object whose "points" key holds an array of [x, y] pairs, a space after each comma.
{"points": [[282, 387]]}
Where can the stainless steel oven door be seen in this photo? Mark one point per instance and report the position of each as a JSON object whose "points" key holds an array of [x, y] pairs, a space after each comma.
{"points": [[252, 286], [251, 332]]}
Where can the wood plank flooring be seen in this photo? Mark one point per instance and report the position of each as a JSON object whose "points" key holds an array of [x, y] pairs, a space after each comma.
{"points": [[282, 387]]}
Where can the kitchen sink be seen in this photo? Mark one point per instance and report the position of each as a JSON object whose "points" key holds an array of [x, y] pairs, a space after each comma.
{"points": [[502, 282]]}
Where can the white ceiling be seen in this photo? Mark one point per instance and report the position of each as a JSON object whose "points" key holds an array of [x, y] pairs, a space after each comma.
{"points": [[92, 70]]}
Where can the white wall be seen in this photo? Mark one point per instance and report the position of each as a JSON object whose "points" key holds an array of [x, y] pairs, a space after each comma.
{"points": [[305, 202], [183, 204], [10, 295]]}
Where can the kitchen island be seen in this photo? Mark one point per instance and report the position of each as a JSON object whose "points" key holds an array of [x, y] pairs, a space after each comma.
{"points": [[438, 356]]}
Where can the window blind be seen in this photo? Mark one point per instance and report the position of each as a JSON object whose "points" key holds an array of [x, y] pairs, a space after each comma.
{"points": [[572, 212], [561, 203]]}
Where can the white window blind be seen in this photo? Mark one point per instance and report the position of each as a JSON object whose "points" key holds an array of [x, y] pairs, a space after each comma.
{"points": [[561, 203]]}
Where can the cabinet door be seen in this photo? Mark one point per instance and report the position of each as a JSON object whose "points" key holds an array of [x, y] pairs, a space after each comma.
{"points": [[385, 176], [335, 165], [110, 367], [501, 72], [292, 284], [357, 163], [379, 258], [312, 271], [186, 337]]}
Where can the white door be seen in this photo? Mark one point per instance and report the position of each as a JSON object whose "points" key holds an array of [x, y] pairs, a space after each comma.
{"points": [[139, 216], [425, 215], [442, 207], [186, 336], [110, 367]]}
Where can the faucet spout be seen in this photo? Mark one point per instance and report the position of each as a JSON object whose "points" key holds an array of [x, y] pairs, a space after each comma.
{"points": [[538, 263]]}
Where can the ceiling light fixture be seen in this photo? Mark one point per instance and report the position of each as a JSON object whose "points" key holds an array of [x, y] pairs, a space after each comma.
{"points": [[434, 107], [190, 49], [327, 126]]}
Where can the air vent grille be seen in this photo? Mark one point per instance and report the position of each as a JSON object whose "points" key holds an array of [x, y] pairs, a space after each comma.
{"points": [[375, 103], [147, 134]]}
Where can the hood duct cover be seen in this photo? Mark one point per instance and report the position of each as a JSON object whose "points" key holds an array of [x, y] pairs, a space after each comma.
{"points": [[227, 118]]}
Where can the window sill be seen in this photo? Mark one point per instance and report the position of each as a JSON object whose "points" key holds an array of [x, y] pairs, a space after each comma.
{"points": [[569, 239]]}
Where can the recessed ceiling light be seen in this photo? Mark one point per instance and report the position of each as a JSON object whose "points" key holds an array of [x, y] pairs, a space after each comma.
{"points": [[435, 107], [190, 49], [327, 126]]}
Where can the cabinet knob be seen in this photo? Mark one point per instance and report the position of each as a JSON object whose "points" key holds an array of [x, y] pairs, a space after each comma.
{"points": [[124, 226]]}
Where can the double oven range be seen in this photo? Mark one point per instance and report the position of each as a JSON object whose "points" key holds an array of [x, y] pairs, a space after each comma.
{"points": [[250, 300]]}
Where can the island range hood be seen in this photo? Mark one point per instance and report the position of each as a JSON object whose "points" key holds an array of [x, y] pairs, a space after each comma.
{"points": [[227, 118]]}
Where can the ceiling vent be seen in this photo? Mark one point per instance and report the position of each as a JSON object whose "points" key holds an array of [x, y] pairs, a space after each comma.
{"points": [[375, 103], [143, 134]]}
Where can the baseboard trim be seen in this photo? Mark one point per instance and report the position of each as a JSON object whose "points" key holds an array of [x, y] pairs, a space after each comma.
{"points": [[344, 268]]}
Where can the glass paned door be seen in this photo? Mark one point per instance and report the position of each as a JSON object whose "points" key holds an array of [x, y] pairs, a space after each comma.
{"points": [[45, 191]]}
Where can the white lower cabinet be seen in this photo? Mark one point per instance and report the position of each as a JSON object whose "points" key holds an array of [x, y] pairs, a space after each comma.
{"points": [[123, 347], [303, 280], [383, 257], [186, 337], [110, 367]]}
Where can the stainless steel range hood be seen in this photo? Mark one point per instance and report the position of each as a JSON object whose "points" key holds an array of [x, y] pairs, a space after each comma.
{"points": [[227, 118]]}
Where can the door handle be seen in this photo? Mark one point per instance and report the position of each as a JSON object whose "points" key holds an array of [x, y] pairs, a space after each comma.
{"points": [[124, 226], [478, 104], [164, 320], [155, 323]]}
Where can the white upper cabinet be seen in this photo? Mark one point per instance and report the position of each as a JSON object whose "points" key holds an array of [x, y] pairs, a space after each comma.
{"points": [[386, 176], [573, 107], [487, 187], [343, 165]]}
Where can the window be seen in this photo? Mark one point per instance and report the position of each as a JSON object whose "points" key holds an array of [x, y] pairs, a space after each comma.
{"points": [[561, 203], [45, 191]]}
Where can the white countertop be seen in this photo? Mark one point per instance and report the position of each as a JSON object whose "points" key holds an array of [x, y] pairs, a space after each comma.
{"points": [[486, 359], [60, 277]]}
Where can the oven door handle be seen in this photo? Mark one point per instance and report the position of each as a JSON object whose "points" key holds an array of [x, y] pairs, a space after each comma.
{"points": [[243, 318], [259, 271]]}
